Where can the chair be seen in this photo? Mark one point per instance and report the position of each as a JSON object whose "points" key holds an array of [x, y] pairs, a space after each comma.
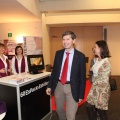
{"points": [[3, 110]]}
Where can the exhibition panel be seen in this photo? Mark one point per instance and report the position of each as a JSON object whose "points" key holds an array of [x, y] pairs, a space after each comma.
{"points": [[25, 96]]}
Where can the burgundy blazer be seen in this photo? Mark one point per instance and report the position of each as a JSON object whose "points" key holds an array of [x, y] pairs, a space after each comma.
{"points": [[3, 66]]}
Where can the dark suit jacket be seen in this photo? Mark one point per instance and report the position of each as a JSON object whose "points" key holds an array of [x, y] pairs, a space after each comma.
{"points": [[77, 77]]}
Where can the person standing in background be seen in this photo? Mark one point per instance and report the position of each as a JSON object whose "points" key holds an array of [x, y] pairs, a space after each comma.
{"points": [[98, 97], [19, 62], [68, 78], [92, 62], [5, 68]]}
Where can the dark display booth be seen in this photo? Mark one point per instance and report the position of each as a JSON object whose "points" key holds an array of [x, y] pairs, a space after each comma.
{"points": [[26, 100], [35, 63]]}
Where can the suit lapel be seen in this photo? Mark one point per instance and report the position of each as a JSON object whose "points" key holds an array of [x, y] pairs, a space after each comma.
{"points": [[75, 59], [60, 58]]}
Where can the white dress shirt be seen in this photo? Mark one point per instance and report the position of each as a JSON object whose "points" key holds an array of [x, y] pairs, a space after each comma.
{"points": [[69, 63]]}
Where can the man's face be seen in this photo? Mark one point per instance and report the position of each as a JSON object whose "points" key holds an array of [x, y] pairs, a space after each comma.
{"points": [[68, 42]]}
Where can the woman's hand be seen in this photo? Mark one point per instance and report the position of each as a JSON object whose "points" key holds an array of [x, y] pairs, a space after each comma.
{"points": [[80, 100], [2, 70], [10, 70]]}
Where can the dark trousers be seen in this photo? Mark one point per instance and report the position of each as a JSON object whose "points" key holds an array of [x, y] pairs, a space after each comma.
{"points": [[92, 112]]}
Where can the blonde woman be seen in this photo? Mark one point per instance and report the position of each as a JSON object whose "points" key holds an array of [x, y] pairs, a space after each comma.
{"points": [[5, 69]]}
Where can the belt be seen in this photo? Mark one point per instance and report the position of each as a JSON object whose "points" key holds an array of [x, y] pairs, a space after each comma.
{"points": [[67, 82]]}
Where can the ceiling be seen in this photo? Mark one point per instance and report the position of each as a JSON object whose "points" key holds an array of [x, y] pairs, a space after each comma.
{"points": [[13, 11]]}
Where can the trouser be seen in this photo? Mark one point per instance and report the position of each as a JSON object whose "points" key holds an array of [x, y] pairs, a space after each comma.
{"points": [[92, 112], [63, 94]]}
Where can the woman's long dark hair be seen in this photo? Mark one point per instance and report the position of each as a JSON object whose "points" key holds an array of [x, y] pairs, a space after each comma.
{"points": [[104, 50]]}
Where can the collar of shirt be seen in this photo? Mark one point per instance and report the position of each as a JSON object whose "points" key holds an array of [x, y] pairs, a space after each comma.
{"points": [[19, 58], [71, 51], [4, 57]]}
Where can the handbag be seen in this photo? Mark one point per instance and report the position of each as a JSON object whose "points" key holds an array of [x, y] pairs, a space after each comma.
{"points": [[113, 84]]}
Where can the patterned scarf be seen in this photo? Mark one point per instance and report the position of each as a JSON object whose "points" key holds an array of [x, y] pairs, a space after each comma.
{"points": [[22, 65]]}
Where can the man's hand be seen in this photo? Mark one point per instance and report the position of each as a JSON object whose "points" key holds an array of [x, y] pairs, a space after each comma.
{"points": [[48, 91]]}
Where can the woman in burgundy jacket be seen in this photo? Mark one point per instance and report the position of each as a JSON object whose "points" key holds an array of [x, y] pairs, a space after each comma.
{"points": [[19, 62], [4, 63]]}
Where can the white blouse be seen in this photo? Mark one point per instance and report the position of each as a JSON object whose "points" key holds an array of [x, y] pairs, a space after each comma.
{"points": [[19, 65], [97, 65]]}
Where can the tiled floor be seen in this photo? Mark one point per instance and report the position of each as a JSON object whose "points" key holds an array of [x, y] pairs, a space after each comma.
{"points": [[113, 112]]}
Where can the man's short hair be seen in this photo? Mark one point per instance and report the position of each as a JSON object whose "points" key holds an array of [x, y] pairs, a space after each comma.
{"points": [[73, 36]]}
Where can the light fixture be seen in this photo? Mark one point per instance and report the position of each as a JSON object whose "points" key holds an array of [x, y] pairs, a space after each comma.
{"points": [[19, 39]]}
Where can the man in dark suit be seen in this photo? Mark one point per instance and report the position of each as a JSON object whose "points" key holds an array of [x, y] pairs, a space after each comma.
{"points": [[72, 91]]}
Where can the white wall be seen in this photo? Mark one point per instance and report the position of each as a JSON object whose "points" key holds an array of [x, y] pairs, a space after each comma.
{"points": [[24, 29], [113, 39], [35, 29], [20, 29]]}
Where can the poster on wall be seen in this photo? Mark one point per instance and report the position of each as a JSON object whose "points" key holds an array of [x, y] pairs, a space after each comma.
{"points": [[9, 47], [32, 45]]}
